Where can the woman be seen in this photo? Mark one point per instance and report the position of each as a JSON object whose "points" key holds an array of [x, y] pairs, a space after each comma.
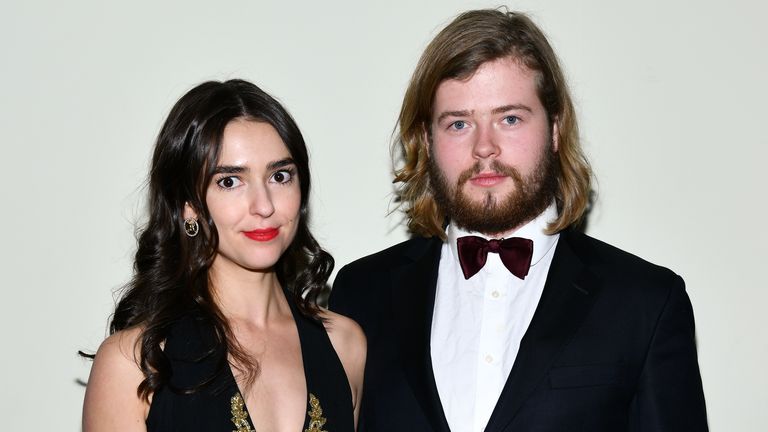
{"points": [[219, 329]]}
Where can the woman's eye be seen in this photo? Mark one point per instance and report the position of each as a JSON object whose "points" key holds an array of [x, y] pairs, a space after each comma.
{"points": [[458, 125], [229, 182], [282, 176], [510, 120]]}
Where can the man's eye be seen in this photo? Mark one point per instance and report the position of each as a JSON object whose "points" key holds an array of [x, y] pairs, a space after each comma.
{"points": [[510, 120], [282, 176], [229, 182], [458, 124]]}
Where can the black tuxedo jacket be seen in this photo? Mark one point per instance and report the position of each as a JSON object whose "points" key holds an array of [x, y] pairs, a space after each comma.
{"points": [[610, 347]]}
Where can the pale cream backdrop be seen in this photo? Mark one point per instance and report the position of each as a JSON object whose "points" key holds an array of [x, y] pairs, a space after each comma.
{"points": [[671, 96]]}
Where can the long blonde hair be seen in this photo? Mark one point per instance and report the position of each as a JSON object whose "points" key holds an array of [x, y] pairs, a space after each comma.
{"points": [[474, 38]]}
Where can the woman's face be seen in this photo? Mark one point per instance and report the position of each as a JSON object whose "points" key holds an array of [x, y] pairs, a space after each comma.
{"points": [[253, 198]]}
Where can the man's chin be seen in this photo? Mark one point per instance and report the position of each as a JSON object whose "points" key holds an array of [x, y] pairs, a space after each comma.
{"points": [[485, 198]]}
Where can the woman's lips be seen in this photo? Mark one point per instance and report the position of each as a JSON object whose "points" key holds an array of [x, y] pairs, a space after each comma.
{"points": [[262, 234]]}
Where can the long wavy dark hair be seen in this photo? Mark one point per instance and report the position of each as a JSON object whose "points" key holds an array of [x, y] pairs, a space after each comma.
{"points": [[170, 277]]}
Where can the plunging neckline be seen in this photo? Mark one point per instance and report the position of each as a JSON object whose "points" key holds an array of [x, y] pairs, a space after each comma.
{"points": [[198, 393], [248, 417]]}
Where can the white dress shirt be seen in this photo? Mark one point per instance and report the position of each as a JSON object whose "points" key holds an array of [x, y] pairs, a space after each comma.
{"points": [[478, 324]]}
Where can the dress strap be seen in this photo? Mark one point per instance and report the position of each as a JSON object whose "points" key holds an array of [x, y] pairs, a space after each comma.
{"points": [[327, 382]]}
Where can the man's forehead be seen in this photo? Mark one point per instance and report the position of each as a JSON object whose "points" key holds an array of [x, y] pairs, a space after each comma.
{"points": [[514, 62], [495, 84]]}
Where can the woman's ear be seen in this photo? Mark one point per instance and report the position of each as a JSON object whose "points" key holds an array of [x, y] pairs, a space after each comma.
{"points": [[189, 212]]}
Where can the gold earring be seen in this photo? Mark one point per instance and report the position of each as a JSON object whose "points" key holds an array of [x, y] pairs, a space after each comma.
{"points": [[191, 227]]}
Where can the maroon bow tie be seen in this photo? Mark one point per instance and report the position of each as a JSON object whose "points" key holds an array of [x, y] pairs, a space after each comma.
{"points": [[515, 253]]}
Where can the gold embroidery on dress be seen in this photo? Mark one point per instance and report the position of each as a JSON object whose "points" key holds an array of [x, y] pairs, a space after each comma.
{"points": [[239, 415], [316, 419]]}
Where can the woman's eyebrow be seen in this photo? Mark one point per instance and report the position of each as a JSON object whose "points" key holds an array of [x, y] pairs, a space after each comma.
{"points": [[230, 169], [238, 169], [280, 163]]}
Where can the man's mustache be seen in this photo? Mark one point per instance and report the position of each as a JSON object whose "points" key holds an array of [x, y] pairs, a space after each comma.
{"points": [[494, 166]]}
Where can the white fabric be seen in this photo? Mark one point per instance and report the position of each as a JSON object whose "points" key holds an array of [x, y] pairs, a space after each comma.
{"points": [[478, 324]]}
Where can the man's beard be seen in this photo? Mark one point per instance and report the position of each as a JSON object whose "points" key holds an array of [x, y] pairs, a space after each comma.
{"points": [[530, 196]]}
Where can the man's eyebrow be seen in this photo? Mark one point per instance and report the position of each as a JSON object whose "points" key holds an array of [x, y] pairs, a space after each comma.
{"points": [[229, 169], [281, 163], [497, 110], [445, 114], [511, 107]]}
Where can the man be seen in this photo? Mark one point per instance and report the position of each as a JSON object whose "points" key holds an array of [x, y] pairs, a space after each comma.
{"points": [[547, 330]]}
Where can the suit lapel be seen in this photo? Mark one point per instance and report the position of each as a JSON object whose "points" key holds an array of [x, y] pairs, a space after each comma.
{"points": [[568, 295], [412, 303]]}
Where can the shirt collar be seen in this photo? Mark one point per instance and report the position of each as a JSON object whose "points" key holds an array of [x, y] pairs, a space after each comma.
{"points": [[534, 230]]}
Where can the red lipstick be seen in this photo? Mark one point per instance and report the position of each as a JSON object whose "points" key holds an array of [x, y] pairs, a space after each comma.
{"points": [[262, 235]]}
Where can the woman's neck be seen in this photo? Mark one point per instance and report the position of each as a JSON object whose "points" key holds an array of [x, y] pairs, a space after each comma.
{"points": [[247, 296]]}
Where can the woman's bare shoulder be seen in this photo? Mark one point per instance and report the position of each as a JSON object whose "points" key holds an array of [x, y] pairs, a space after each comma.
{"points": [[345, 334], [349, 342], [120, 345], [111, 398]]}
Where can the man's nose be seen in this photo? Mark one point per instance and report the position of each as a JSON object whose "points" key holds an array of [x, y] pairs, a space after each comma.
{"points": [[485, 145]]}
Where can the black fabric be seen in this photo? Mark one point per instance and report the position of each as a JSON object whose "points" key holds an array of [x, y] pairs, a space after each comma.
{"points": [[610, 347], [194, 356]]}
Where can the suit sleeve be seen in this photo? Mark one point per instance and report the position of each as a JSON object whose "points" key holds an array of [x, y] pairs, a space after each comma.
{"points": [[669, 396]]}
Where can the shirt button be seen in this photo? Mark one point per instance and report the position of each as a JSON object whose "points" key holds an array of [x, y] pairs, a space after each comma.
{"points": [[489, 358], [495, 294]]}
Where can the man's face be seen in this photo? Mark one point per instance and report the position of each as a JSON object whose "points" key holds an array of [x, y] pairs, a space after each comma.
{"points": [[492, 156]]}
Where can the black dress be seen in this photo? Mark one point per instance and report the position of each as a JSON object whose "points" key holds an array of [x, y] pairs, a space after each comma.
{"points": [[218, 405]]}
